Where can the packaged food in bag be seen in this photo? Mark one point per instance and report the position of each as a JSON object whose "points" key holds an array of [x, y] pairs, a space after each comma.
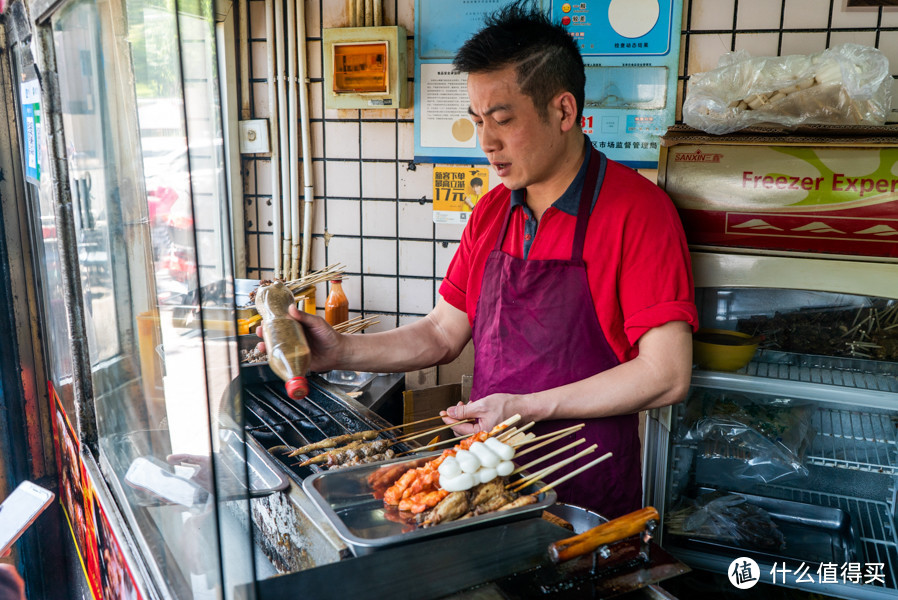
{"points": [[740, 442], [726, 518], [848, 84]]}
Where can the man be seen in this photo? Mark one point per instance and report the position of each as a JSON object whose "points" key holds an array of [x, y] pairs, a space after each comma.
{"points": [[572, 277]]}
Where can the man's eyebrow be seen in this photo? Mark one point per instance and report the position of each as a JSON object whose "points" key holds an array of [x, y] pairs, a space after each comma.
{"points": [[490, 110]]}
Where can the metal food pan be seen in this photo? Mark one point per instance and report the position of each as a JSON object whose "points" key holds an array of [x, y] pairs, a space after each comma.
{"points": [[361, 520]]}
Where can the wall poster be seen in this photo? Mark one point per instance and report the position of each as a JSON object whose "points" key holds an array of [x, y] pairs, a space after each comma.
{"points": [[630, 49], [456, 191]]}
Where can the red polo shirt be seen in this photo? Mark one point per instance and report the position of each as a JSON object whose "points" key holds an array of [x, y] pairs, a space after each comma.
{"points": [[636, 257]]}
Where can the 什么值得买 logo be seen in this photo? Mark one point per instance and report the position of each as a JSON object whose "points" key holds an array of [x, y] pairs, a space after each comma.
{"points": [[744, 573]]}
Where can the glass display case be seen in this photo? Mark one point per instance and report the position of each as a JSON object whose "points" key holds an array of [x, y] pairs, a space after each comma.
{"points": [[792, 458]]}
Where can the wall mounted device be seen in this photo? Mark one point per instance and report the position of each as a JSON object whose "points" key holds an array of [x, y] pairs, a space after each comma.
{"points": [[365, 67]]}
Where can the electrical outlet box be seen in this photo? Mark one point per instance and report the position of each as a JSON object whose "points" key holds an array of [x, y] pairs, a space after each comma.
{"points": [[254, 136], [365, 67]]}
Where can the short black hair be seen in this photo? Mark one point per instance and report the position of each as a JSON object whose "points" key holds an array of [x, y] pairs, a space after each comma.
{"points": [[544, 55], [476, 181]]}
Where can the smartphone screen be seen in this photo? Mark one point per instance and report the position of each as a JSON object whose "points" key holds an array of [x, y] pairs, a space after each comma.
{"points": [[19, 510]]}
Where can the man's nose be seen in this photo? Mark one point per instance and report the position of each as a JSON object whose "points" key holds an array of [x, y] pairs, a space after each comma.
{"points": [[489, 141]]}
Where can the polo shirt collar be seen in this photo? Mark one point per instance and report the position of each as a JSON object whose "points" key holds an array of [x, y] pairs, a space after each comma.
{"points": [[569, 201]]}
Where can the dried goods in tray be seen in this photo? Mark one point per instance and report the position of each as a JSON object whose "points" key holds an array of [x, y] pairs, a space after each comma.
{"points": [[869, 332]]}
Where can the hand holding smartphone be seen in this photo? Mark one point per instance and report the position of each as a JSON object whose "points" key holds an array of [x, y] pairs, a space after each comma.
{"points": [[19, 510]]}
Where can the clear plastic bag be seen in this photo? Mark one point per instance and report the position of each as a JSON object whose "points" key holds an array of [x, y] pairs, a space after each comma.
{"points": [[728, 519], [741, 442], [849, 84]]}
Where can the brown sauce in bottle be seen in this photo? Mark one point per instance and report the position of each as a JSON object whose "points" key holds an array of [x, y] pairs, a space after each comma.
{"points": [[285, 341]]}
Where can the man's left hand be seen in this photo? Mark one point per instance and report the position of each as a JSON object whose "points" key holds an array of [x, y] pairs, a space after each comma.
{"points": [[488, 412]]}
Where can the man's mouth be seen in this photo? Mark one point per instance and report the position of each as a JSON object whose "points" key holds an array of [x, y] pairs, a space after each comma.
{"points": [[500, 167]]}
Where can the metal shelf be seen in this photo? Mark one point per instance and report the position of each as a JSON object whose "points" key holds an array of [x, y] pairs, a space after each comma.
{"points": [[863, 441], [854, 373], [820, 378]]}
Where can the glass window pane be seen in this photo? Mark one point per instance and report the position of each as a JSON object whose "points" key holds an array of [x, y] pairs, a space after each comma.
{"points": [[142, 123]]}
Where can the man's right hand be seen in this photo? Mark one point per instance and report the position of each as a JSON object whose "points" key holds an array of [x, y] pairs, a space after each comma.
{"points": [[325, 344]]}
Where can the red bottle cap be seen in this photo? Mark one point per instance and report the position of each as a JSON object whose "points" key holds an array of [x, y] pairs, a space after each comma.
{"points": [[297, 388]]}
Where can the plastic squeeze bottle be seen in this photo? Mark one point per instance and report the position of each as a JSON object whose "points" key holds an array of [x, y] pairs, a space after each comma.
{"points": [[285, 342], [336, 309]]}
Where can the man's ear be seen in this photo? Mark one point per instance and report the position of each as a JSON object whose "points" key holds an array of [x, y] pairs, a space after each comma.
{"points": [[566, 104]]}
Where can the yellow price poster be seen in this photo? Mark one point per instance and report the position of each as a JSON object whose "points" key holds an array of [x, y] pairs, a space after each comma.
{"points": [[456, 191]]}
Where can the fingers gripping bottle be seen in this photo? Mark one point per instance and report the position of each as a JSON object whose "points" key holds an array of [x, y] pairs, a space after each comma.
{"points": [[285, 342]]}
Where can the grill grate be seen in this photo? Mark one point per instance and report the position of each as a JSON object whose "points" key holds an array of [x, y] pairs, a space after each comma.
{"points": [[275, 420]]}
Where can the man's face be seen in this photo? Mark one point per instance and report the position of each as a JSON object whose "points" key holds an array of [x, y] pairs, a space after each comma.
{"points": [[521, 146]]}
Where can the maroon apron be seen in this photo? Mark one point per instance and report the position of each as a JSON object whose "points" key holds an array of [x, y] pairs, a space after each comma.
{"points": [[535, 329]]}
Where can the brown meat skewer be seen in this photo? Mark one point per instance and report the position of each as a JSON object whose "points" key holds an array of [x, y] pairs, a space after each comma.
{"points": [[333, 442], [325, 456]]}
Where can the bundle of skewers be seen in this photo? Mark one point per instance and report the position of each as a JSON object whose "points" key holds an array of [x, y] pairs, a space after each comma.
{"points": [[360, 448], [356, 324], [477, 475], [328, 273]]}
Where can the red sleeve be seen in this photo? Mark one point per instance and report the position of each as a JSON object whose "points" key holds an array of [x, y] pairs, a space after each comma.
{"points": [[655, 277]]}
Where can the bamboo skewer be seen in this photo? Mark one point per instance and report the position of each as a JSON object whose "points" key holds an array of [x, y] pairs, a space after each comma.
{"points": [[548, 439], [519, 485], [549, 486], [504, 425], [547, 456], [413, 436], [409, 424], [434, 445], [506, 437]]}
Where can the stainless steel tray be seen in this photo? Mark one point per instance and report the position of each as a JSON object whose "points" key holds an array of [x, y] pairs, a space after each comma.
{"points": [[363, 521]]}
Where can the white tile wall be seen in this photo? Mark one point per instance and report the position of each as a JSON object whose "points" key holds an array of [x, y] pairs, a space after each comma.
{"points": [[378, 218], [856, 16], [377, 212], [341, 139], [341, 178], [379, 140], [380, 293], [380, 256], [379, 180], [416, 220], [705, 51], [711, 14], [804, 14], [343, 217], [866, 38], [415, 295], [759, 14], [416, 258], [347, 251], [758, 44]]}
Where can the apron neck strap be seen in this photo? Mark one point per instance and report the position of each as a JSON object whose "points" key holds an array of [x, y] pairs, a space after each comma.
{"points": [[595, 175]]}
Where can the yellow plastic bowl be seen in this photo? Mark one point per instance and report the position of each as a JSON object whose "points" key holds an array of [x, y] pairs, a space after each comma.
{"points": [[722, 350]]}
